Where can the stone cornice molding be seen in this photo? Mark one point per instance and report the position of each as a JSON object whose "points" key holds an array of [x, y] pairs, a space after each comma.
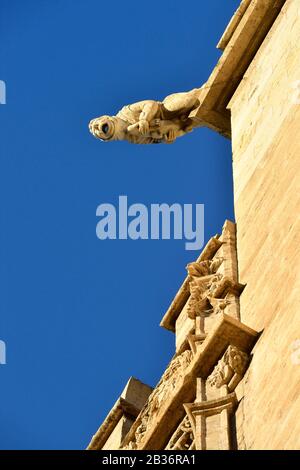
{"points": [[240, 42]]}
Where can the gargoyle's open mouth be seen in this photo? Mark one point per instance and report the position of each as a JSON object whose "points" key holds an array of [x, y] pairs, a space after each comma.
{"points": [[102, 128]]}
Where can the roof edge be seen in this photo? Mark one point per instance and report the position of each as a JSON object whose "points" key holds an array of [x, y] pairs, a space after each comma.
{"points": [[241, 41]]}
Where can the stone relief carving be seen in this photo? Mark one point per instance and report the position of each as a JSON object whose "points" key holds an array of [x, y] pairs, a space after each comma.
{"points": [[203, 279], [166, 385], [230, 369], [203, 268], [149, 121], [183, 437]]}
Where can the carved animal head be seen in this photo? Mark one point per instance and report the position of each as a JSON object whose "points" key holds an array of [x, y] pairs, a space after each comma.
{"points": [[107, 128]]}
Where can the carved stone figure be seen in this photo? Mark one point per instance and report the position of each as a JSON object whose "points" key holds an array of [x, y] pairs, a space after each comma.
{"points": [[203, 268], [149, 121], [232, 366], [202, 279]]}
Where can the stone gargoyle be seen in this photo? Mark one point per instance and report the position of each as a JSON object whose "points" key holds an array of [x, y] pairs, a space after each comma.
{"points": [[149, 121]]}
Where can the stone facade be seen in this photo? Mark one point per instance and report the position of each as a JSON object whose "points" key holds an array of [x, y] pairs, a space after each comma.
{"points": [[265, 114], [234, 380]]}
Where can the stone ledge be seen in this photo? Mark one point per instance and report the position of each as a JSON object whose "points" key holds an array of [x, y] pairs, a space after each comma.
{"points": [[210, 407], [233, 24], [241, 41], [126, 405]]}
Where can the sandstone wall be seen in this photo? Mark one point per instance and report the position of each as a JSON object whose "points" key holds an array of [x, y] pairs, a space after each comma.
{"points": [[266, 150]]}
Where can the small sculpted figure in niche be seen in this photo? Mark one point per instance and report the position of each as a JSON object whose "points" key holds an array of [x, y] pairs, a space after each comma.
{"points": [[149, 121]]}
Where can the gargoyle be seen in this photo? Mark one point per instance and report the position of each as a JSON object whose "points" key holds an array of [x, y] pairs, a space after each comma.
{"points": [[150, 122]]}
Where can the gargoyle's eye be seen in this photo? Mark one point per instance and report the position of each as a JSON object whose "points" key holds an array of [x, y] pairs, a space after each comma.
{"points": [[105, 128]]}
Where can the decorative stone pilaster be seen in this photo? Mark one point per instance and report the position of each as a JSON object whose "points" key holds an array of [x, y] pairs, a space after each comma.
{"points": [[211, 414], [211, 422]]}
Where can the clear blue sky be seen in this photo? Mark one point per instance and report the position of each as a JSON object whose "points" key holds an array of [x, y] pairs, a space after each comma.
{"points": [[80, 316]]}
